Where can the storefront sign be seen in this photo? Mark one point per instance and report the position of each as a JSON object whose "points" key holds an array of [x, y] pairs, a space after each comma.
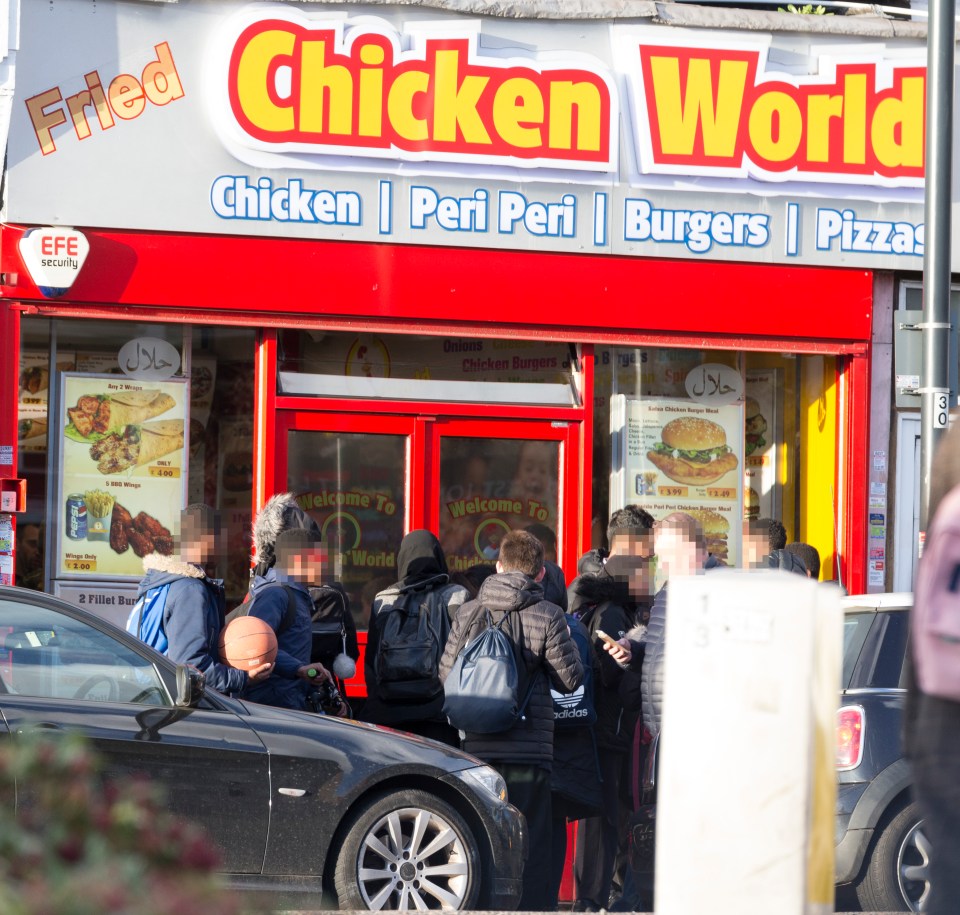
{"points": [[122, 476], [572, 136], [359, 87], [53, 257], [726, 111]]}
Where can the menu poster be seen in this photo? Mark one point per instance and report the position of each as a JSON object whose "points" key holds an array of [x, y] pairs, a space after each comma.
{"points": [[762, 434], [122, 473], [33, 397], [679, 455]]}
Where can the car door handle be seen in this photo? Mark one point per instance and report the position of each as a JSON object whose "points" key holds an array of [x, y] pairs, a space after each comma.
{"points": [[40, 726]]}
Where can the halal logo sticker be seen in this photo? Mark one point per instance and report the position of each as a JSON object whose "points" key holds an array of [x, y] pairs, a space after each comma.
{"points": [[53, 258]]}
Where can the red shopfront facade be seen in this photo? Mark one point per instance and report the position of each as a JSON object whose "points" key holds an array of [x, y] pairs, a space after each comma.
{"points": [[586, 303]]}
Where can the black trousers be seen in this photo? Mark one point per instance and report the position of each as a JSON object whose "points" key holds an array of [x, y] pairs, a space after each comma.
{"points": [[528, 787], [598, 837]]}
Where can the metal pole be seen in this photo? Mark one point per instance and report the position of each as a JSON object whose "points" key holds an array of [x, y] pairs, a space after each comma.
{"points": [[935, 386]]}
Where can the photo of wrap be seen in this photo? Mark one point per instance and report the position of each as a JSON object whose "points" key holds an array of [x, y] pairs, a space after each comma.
{"points": [[108, 413], [138, 445]]}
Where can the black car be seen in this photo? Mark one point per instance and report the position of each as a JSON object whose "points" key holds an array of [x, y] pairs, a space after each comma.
{"points": [[881, 851], [311, 807]]}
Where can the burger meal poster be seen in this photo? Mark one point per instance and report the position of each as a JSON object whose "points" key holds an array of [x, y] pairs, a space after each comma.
{"points": [[123, 473], [680, 455]]}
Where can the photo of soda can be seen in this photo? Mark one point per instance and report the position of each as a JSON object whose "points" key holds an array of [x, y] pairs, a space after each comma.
{"points": [[76, 516]]}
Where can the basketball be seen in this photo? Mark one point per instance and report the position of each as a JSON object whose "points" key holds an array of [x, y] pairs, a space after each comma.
{"points": [[247, 642]]}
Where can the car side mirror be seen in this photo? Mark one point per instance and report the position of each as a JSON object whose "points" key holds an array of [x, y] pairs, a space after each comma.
{"points": [[190, 682]]}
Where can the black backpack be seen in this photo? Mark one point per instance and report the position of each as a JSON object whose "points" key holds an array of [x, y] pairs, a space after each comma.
{"points": [[334, 632], [482, 690], [413, 632]]}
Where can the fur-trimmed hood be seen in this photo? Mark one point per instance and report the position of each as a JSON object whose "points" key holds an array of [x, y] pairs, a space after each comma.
{"points": [[279, 513], [163, 570], [269, 523], [157, 562], [590, 589]]}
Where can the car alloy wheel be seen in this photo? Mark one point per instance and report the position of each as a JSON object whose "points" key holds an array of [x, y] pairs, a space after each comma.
{"points": [[408, 852], [913, 868]]}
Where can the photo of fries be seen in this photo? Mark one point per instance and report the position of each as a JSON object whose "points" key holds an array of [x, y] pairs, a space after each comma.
{"points": [[99, 510]]}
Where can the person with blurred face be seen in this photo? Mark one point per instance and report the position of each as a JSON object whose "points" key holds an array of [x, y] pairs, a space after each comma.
{"points": [[611, 595], [300, 558], [681, 551], [764, 542], [193, 613]]}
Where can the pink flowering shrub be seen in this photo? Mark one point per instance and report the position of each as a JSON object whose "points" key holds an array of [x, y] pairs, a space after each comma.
{"points": [[81, 845]]}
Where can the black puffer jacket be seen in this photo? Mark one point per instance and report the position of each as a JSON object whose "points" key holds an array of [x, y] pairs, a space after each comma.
{"points": [[600, 601], [550, 655]]}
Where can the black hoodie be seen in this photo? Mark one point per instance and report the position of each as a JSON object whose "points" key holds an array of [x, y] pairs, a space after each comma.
{"points": [[423, 582]]}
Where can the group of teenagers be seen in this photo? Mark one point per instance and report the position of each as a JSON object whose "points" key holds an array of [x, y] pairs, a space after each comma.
{"points": [[554, 775]]}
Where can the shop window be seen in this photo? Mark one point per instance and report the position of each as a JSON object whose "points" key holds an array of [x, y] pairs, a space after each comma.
{"points": [[354, 486], [449, 369], [723, 436], [510, 484], [121, 424]]}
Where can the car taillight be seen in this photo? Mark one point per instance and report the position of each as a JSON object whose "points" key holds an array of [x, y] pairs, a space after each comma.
{"points": [[849, 737]]}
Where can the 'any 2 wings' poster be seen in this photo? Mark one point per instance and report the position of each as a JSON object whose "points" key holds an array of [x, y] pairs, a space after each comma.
{"points": [[122, 472]]}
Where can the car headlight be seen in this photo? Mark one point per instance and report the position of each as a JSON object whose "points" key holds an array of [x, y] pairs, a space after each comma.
{"points": [[487, 779]]}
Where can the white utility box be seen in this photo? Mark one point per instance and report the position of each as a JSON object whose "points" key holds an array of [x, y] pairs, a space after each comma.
{"points": [[747, 786]]}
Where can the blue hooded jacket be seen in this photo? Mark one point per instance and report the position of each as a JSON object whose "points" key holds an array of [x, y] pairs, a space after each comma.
{"points": [[193, 617], [269, 602]]}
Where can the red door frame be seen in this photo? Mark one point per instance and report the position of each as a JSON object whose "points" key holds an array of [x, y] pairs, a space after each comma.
{"points": [[569, 435]]}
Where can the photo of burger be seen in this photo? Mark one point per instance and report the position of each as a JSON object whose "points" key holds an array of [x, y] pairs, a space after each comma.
{"points": [[694, 451], [751, 504], [755, 425], [715, 529]]}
